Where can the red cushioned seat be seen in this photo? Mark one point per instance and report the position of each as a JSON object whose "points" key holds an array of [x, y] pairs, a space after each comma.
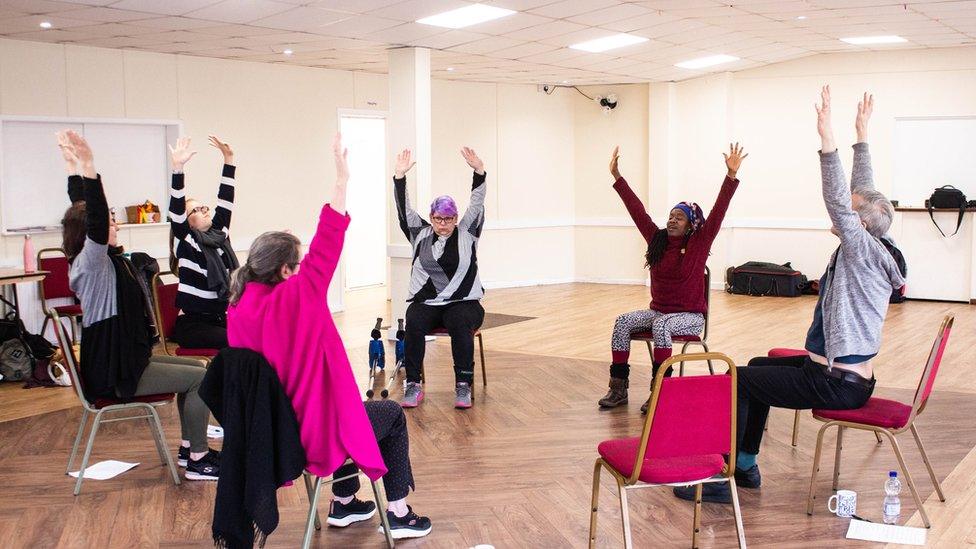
{"points": [[621, 454], [642, 335], [148, 399], [879, 412], [650, 335], [781, 352], [183, 351], [68, 310]]}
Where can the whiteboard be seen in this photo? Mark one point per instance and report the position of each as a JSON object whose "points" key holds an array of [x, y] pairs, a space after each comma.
{"points": [[131, 156], [930, 153]]}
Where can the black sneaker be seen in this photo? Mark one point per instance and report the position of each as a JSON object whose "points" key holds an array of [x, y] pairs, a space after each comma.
{"points": [[342, 515], [408, 526], [748, 478], [712, 492], [205, 468], [183, 456]]}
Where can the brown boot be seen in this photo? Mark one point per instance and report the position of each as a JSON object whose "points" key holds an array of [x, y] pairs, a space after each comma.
{"points": [[617, 394]]}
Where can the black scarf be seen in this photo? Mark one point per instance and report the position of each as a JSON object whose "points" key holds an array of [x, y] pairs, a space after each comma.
{"points": [[135, 341], [218, 267], [262, 447]]}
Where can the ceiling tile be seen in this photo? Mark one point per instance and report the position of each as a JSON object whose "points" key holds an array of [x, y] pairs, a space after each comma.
{"points": [[404, 33], [357, 26], [652, 19], [173, 23], [169, 7], [108, 15], [351, 6], [546, 30], [611, 14], [488, 45], [302, 19], [240, 11], [583, 35], [510, 23], [568, 8], [447, 39], [411, 10], [52, 35], [523, 50], [32, 23]]}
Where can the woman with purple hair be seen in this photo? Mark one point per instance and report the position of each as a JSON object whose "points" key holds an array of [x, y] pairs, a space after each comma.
{"points": [[676, 257], [445, 289]]}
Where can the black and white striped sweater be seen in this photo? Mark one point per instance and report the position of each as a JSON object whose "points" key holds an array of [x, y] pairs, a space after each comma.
{"points": [[194, 295]]}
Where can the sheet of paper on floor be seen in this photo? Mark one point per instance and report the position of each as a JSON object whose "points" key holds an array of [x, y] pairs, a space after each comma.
{"points": [[887, 533], [104, 470]]}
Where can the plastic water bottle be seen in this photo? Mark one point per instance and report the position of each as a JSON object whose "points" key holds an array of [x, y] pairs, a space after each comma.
{"points": [[30, 260], [892, 504]]}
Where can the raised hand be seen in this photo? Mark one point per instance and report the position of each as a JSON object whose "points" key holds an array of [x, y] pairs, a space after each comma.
{"points": [[403, 164], [79, 147], [224, 149], [341, 160], [181, 154], [734, 159], [68, 153], [472, 159], [864, 109], [824, 127], [614, 159]]}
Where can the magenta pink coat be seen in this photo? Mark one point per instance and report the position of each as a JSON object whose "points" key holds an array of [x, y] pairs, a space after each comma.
{"points": [[291, 326]]}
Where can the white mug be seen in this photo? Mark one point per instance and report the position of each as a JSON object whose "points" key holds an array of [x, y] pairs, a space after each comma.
{"points": [[845, 501]]}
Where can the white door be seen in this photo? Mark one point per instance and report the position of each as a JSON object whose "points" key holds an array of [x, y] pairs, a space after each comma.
{"points": [[365, 247]]}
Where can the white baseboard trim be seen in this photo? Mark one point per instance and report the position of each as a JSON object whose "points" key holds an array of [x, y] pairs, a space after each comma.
{"points": [[498, 284], [600, 280]]}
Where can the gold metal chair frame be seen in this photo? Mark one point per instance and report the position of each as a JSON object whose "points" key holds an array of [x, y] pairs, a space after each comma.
{"points": [[481, 351], [72, 319], [158, 313], [917, 407], [633, 481]]}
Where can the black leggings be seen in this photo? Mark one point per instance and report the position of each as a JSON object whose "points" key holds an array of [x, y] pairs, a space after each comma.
{"points": [[200, 331], [461, 318], [790, 382], [390, 428]]}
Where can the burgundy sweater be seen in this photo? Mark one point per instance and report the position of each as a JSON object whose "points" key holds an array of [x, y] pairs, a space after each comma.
{"points": [[677, 281]]}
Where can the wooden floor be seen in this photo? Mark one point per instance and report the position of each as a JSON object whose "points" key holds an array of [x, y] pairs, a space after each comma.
{"points": [[515, 471]]}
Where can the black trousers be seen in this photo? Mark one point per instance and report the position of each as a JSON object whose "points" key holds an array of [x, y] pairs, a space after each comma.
{"points": [[390, 428], [200, 331], [793, 382], [461, 319]]}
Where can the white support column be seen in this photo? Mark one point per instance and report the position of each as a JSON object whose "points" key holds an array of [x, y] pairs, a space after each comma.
{"points": [[408, 127]]}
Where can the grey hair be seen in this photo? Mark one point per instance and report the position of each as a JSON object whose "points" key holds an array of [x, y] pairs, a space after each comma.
{"points": [[875, 211], [268, 253]]}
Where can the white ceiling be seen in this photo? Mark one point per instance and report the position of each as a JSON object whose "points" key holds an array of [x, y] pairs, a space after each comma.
{"points": [[529, 46]]}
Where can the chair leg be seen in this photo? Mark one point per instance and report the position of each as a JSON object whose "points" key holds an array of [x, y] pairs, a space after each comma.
{"points": [[162, 442], [681, 365], [711, 370], [44, 324], [908, 479], [159, 447], [839, 447], [380, 497], [696, 524], [625, 515], [74, 447], [928, 465], [481, 350], [737, 510], [595, 501], [307, 477], [796, 426], [313, 509], [88, 450], [816, 466], [877, 435]]}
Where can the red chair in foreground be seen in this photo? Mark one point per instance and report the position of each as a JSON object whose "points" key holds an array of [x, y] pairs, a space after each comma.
{"points": [[690, 427], [164, 301], [888, 417], [146, 404], [55, 286]]}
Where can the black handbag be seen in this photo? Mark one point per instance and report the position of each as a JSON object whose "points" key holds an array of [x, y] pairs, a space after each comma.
{"points": [[759, 278], [947, 197]]}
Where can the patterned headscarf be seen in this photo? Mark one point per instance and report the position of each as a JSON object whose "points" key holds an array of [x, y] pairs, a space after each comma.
{"points": [[444, 205], [696, 218]]}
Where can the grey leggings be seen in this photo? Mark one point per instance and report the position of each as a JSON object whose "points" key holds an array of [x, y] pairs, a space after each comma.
{"points": [[180, 375]]}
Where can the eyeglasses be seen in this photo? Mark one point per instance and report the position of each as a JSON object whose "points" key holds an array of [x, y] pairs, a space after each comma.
{"points": [[200, 209], [443, 220]]}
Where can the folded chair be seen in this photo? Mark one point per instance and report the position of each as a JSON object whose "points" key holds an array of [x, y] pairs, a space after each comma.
{"points": [[164, 302], [890, 418], [689, 428], [101, 406]]}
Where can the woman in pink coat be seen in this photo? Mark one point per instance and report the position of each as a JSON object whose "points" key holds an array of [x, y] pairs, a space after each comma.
{"points": [[279, 308]]}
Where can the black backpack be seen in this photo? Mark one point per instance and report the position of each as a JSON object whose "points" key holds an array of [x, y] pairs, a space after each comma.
{"points": [[947, 197], [899, 258], [20, 349]]}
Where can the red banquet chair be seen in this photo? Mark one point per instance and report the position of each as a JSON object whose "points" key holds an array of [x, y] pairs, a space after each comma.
{"points": [[55, 286], [164, 302], [890, 418], [685, 340], [689, 428]]}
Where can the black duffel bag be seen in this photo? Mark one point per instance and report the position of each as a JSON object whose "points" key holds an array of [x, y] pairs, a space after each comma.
{"points": [[760, 278], [947, 197]]}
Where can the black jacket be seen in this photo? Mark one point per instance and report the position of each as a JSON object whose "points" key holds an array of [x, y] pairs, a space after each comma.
{"points": [[262, 447]]}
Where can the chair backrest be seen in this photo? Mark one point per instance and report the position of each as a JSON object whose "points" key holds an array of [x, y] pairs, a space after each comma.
{"points": [[708, 305], [690, 415], [55, 285], [164, 301], [932, 365], [67, 350]]}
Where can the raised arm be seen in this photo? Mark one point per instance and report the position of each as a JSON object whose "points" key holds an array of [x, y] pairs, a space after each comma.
{"points": [[473, 220], [733, 160], [634, 206], [410, 221], [225, 192], [179, 156], [76, 187], [836, 191], [862, 175], [96, 208]]}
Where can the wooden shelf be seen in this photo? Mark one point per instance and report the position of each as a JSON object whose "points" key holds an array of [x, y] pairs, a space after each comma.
{"points": [[952, 210]]}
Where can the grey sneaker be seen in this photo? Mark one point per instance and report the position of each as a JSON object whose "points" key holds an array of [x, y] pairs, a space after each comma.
{"points": [[462, 395], [413, 395]]}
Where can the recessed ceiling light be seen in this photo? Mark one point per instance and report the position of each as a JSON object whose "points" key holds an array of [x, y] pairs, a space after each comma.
{"points": [[862, 40], [450, 69], [466, 16], [609, 43], [801, 17], [288, 52], [46, 24], [703, 62]]}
